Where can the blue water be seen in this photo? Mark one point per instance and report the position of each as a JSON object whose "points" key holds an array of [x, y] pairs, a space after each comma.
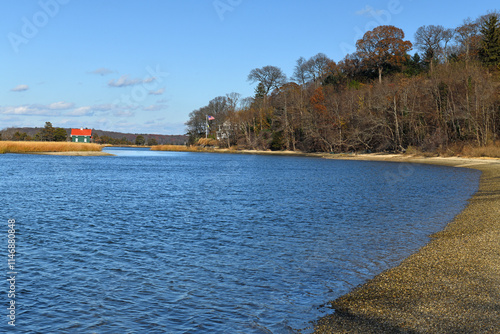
{"points": [[168, 242]]}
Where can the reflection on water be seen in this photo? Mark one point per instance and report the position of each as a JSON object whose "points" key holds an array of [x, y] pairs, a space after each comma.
{"points": [[167, 242], [137, 152]]}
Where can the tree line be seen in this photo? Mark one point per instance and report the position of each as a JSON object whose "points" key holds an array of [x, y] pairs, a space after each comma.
{"points": [[51, 133], [47, 133], [379, 98]]}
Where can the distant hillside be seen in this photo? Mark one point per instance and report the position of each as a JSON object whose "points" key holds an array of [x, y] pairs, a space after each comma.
{"points": [[8, 133], [161, 139]]}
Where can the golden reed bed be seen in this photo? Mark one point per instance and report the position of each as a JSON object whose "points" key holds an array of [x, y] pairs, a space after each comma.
{"points": [[35, 147], [181, 148]]}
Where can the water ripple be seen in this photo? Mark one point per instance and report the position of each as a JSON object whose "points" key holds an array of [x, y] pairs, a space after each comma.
{"points": [[195, 243]]}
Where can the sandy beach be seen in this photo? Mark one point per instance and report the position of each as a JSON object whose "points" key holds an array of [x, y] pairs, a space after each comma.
{"points": [[451, 285]]}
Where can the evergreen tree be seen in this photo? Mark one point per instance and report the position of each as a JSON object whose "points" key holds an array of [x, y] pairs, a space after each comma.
{"points": [[60, 134], [490, 44], [414, 65], [139, 140], [48, 132], [260, 91]]}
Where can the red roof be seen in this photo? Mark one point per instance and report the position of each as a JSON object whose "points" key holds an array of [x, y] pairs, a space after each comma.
{"points": [[81, 132]]}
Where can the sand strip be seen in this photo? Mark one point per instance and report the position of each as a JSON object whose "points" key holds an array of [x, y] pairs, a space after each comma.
{"points": [[451, 285]]}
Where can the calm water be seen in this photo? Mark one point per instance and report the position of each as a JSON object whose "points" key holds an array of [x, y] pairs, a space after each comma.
{"points": [[167, 242]]}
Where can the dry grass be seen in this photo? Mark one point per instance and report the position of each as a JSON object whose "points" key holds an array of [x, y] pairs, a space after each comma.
{"points": [[412, 150], [34, 146], [492, 150], [207, 142], [180, 148]]}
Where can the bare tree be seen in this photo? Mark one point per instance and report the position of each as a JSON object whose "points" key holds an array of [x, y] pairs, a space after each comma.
{"points": [[448, 35], [233, 100], [428, 40], [271, 77], [467, 36], [317, 66], [301, 75]]}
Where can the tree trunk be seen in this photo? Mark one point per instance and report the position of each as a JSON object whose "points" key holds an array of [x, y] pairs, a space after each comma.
{"points": [[398, 137]]}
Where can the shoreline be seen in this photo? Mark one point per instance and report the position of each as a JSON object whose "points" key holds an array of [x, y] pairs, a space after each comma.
{"points": [[450, 285]]}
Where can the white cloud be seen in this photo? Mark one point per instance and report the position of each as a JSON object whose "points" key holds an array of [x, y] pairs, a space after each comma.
{"points": [[82, 111], [157, 92], [102, 71], [123, 113], [33, 109], [20, 88], [155, 107], [65, 121], [52, 109], [61, 105], [124, 81], [369, 11], [104, 107]]}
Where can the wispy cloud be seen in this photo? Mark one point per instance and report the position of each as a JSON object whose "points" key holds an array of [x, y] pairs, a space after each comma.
{"points": [[155, 107], [20, 88], [124, 81], [103, 109], [124, 113], [81, 111], [102, 71], [369, 11], [157, 92], [30, 110], [53, 109], [60, 105]]}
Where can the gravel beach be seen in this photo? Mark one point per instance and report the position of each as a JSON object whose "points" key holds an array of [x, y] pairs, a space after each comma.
{"points": [[451, 285]]}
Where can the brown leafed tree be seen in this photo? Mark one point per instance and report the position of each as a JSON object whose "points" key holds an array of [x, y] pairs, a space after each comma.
{"points": [[383, 47]]}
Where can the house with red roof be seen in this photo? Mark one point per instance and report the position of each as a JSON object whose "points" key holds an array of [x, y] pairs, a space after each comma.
{"points": [[81, 135]]}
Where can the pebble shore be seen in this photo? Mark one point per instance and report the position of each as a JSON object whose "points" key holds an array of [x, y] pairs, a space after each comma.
{"points": [[451, 285]]}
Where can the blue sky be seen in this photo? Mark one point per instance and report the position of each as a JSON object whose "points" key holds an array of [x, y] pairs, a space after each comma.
{"points": [[143, 66]]}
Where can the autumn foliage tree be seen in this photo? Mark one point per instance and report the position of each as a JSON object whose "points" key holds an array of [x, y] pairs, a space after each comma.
{"points": [[382, 48], [443, 98]]}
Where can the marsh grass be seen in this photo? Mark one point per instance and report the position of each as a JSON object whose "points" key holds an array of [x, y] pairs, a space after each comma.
{"points": [[492, 150], [181, 148], [34, 146]]}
